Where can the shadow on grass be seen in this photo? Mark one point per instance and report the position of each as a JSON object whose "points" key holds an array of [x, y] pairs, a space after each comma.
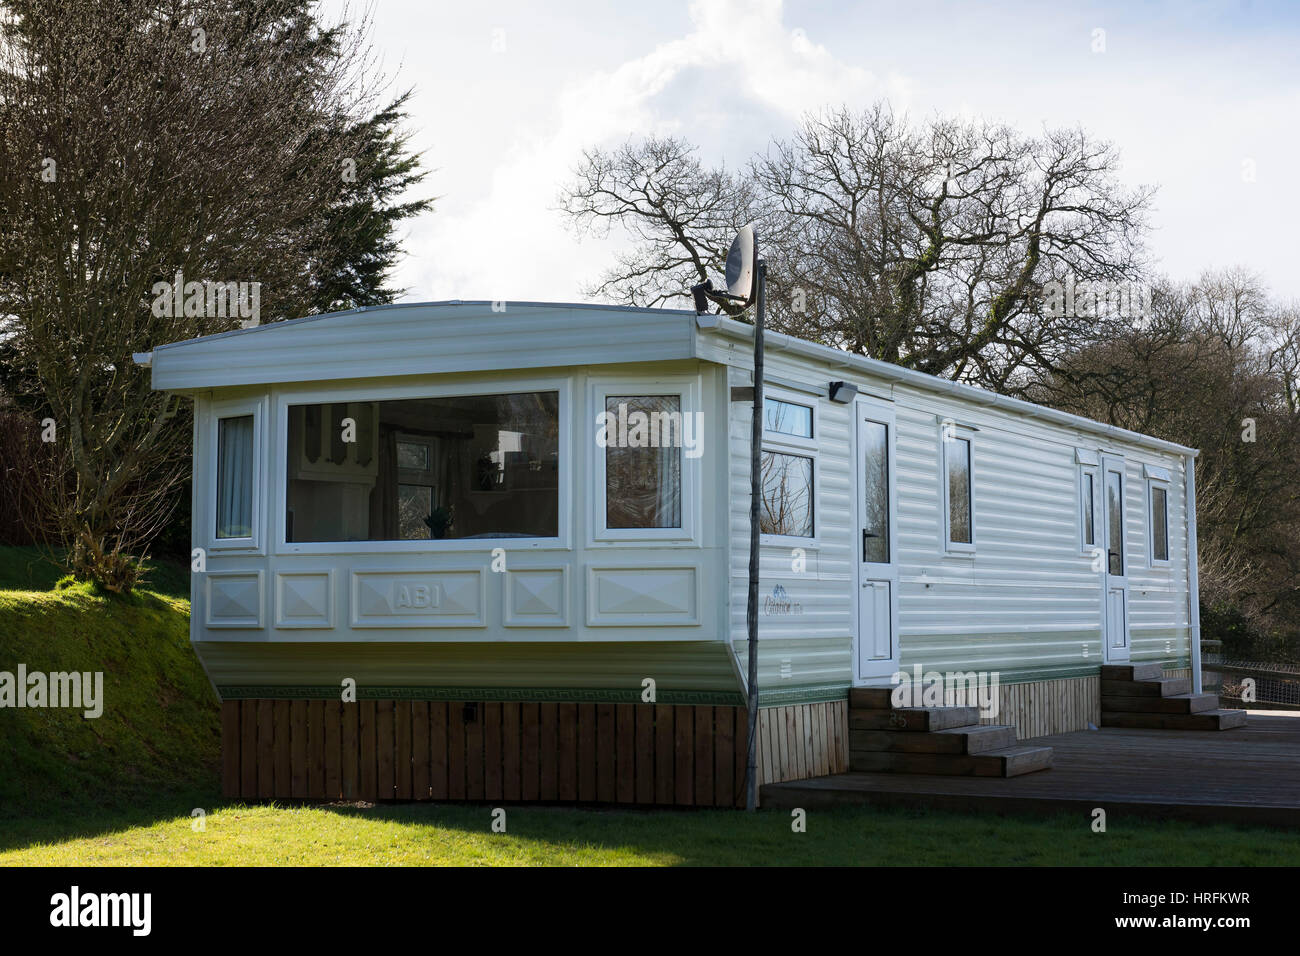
{"points": [[64, 822], [541, 834]]}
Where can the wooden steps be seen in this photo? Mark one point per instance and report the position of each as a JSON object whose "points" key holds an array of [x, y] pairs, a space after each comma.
{"points": [[1208, 720], [1008, 762], [1140, 696], [933, 740]]}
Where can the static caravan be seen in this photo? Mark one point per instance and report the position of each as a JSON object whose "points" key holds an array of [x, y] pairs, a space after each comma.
{"points": [[469, 550]]}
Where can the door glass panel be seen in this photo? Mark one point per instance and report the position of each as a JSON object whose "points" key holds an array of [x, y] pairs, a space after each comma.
{"points": [[875, 470], [1115, 522]]}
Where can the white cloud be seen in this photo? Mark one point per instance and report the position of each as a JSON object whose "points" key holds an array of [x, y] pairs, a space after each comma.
{"points": [[738, 75]]}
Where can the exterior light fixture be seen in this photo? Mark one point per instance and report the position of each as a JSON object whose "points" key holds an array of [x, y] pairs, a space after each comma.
{"points": [[843, 392]]}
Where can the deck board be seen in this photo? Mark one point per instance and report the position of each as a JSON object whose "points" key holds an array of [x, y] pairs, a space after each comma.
{"points": [[1247, 775]]}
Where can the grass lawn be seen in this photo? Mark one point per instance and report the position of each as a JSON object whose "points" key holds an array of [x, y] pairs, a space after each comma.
{"points": [[423, 834]]}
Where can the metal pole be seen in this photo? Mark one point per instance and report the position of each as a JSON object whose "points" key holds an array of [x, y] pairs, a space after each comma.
{"points": [[755, 491]]}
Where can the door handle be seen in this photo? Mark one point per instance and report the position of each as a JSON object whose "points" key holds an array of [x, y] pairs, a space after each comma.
{"points": [[867, 535]]}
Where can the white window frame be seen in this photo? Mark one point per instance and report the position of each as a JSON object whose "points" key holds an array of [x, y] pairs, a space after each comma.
{"points": [[215, 411], [948, 427], [378, 393], [783, 443], [1089, 468], [687, 390], [1157, 477]]}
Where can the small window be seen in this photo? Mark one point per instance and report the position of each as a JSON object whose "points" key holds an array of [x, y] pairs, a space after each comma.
{"points": [[643, 462], [959, 514], [787, 418], [1088, 508], [1159, 522], [235, 477], [787, 506]]}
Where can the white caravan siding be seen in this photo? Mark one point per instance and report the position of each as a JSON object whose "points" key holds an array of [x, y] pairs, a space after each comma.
{"points": [[1027, 603]]}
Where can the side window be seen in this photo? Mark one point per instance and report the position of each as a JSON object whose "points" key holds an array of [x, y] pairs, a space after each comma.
{"points": [[1157, 515], [643, 472], [956, 445], [1089, 500], [235, 477], [789, 466], [645, 460]]}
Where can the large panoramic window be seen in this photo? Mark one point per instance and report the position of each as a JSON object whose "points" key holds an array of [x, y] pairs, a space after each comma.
{"points": [[458, 467], [235, 477]]}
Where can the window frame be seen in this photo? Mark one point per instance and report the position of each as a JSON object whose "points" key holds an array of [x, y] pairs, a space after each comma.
{"points": [[283, 398], [966, 433], [1089, 468], [687, 390], [1157, 478], [215, 411], [783, 443]]}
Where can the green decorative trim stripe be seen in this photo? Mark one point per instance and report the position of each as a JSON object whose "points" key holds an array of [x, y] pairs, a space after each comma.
{"points": [[802, 694], [620, 695]]}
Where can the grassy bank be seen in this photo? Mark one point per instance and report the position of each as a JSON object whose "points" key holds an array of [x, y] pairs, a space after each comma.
{"points": [[158, 732]]}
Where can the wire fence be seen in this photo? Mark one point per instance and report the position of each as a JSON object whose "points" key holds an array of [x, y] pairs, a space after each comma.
{"points": [[1249, 684]]}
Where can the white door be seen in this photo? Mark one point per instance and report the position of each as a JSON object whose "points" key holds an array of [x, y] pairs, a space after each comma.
{"points": [[875, 544], [1115, 636]]}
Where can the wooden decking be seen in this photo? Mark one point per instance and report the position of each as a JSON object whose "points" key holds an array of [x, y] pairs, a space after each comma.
{"points": [[1247, 775]]}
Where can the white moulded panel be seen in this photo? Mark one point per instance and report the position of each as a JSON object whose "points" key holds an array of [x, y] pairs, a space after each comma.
{"points": [[304, 599], [444, 598], [536, 597], [233, 599], [643, 596]]}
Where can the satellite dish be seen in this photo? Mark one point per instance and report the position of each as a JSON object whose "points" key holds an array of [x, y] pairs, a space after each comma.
{"points": [[740, 265]]}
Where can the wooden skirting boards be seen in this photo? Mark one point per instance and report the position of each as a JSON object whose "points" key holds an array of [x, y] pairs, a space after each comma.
{"points": [[425, 750], [802, 740]]}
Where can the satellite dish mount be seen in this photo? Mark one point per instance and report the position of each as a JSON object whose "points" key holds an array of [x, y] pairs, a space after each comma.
{"points": [[747, 285]]}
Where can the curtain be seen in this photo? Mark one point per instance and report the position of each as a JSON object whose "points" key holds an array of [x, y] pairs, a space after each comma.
{"points": [[235, 477], [669, 468], [383, 497]]}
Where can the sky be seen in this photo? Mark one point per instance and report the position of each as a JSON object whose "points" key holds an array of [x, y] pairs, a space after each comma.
{"points": [[1202, 100]]}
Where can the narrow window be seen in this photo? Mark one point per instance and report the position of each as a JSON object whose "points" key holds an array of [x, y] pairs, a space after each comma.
{"points": [[787, 506], [1159, 523], [235, 477], [643, 472], [1114, 523], [956, 453], [1089, 502], [875, 504]]}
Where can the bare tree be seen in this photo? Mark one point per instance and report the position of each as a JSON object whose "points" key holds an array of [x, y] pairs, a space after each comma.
{"points": [[927, 246]]}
